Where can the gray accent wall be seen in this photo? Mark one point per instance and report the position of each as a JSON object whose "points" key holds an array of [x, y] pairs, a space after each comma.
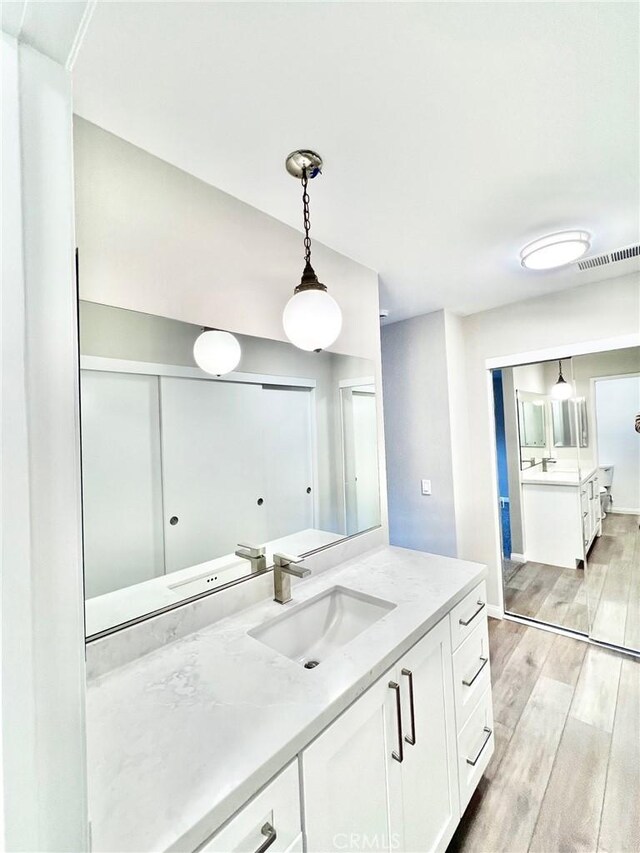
{"points": [[417, 423]]}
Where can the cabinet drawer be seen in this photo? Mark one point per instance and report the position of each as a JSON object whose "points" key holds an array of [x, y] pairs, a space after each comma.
{"points": [[471, 674], [272, 816], [466, 615], [475, 748]]}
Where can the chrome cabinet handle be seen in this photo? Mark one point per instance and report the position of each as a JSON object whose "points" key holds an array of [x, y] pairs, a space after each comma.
{"points": [[411, 739], [484, 662], [399, 755], [475, 760], [468, 621], [271, 834]]}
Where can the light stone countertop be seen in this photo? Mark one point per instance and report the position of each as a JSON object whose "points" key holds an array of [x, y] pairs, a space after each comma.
{"points": [[181, 738], [557, 477]]}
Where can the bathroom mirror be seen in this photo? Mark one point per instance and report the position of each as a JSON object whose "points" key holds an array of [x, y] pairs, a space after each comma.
{"points": [[570, 518], [570, 422], [533, 421], [540, 487], [180, 466]]}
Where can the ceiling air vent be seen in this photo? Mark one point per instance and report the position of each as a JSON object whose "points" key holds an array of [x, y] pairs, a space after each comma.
{"points": [[624, 254], [609, 258]]}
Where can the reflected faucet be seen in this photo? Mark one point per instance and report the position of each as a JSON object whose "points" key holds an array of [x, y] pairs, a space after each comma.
{"points": [[255, 554], [283, 568]]}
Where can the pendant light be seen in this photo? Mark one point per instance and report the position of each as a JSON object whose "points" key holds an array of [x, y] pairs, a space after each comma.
{"points": [[562, 390], [217, 352], [312, 319]]}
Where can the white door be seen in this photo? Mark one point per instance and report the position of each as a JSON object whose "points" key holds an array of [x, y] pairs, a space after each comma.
{"points": [[121, 483], [366, 460], [351, 782], [212, 468], [617, 404], [429, 772], [286, 420]]}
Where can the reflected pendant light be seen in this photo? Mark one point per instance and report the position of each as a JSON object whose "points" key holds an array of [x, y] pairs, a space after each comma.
{"points": [[312, 319], [562, 390], [217, 352]]}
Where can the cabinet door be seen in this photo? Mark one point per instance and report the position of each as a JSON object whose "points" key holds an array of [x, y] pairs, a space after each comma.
{"points": [[351, 782], [270, 821], [430, 803]]}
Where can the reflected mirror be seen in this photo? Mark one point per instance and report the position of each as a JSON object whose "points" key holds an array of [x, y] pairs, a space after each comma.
{"points": [[180, 466], [570, 423], [570, 502]]}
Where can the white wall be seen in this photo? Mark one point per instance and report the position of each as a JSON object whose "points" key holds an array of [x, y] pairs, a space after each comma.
{"points": [[584, 314], [418, 431], [44, 765], [153, 238], [617, 403]]}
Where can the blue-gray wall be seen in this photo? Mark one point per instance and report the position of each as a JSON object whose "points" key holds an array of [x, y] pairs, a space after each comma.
{"points": [[417, 434]]}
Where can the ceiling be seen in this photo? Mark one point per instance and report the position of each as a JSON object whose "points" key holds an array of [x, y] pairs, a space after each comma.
{"points": [[452, 133]]}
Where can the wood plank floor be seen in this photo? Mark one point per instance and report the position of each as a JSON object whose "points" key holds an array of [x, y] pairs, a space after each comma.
{"points": [[565, 774], [549, 594], [613, 582], [603, 599]]}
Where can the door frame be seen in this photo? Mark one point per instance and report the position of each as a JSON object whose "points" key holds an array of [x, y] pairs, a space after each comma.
{"points": [[351, 383]]}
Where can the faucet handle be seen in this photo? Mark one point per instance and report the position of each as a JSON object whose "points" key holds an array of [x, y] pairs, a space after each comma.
{"points": [[284, 560], [253, 550]]}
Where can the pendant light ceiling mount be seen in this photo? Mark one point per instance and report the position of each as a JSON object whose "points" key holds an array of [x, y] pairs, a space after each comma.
{"points": [[304, 161], [312, 319]]}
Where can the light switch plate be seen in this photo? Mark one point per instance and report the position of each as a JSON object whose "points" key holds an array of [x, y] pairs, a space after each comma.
{"points": [[426, 487]]}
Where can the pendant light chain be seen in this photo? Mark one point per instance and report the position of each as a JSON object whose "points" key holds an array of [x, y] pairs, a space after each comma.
{"points": [[307, 221]]}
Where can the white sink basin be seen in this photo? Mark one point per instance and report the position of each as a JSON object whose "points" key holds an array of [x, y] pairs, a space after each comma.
{"points": [[312, 631]]}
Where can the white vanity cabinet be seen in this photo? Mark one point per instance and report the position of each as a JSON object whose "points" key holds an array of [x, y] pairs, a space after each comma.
{"points": [[590, 508], [561, 515], [270, 821], [384, 775]]}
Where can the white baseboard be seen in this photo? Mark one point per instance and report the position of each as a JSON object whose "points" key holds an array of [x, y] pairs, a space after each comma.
{"points": [[518, 558], [621, 511], [494, 611]]}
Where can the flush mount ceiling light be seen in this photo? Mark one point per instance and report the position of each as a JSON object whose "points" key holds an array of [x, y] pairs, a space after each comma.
{"points": [[555, 250], [562, 390], [312, 319], [217, 352]]}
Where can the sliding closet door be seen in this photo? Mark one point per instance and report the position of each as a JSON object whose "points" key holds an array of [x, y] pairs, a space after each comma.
{"points": [[212, 469], [288, 459], [121, 484]]}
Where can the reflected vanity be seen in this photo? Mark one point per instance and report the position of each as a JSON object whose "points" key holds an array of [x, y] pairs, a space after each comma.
{"points": [[569, 485], [181, 467]]}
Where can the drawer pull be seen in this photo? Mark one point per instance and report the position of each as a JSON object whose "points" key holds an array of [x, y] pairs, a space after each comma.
{"points": [[468, 621], [411, 739], [271, 835], [483, 663], [399, 755], [475, 760]]}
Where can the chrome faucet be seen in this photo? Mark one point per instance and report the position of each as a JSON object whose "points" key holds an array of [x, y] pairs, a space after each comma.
{"points": [[546, 461], [283, 568], [255, 554]]}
